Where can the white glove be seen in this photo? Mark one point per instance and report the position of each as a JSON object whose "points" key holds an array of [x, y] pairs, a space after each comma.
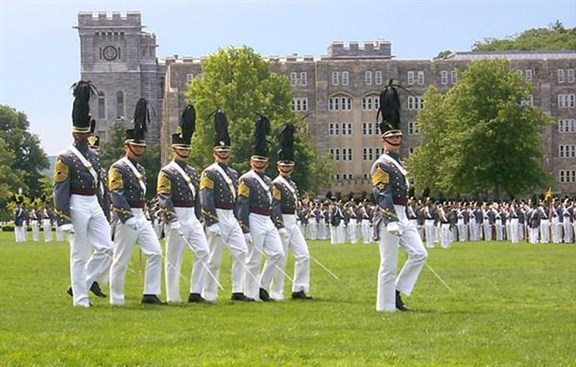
{"points": [[176, 225], [283, 232], [214, 229], [69, 227], [132, 223], [248, 237], [393, 229]]}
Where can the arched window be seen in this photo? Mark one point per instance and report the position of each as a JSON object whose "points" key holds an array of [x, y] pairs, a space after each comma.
{"points": [[119, 104], [101, 106]]}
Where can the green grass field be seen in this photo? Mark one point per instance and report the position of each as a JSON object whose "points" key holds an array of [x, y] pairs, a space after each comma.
{"points": [[510, 306]]}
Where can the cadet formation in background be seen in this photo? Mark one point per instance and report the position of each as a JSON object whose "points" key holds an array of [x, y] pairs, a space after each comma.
{"points": [[104, 213]]}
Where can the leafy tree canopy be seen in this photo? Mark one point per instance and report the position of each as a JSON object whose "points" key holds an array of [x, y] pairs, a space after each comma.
{"points": [[240, 83], [556, 37], [481, 138]]}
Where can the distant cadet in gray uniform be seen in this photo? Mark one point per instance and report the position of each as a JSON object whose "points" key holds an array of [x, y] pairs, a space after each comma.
{"points": [[179, 201], [284, 201], [127, 185], [254, 207], [392, 227], [218, 185], [77, 180]]}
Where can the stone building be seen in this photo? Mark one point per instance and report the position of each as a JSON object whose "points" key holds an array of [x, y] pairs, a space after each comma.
{"points": [[338, 92]]}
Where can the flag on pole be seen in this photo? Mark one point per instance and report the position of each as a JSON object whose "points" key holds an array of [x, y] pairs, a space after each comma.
{"points": [[548, 195]]}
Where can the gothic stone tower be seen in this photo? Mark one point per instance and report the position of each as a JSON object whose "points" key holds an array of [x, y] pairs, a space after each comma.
{"points": [[120, 60]]}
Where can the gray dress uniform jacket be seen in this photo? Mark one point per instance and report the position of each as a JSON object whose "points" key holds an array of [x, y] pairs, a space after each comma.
{"points": [[173, 190], [125, 189], [216, 193], [71, 177], [252, 198], [283, 200], [389, 188]]}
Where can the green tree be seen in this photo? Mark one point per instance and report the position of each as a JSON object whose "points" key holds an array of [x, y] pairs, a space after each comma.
{"points": [[28, 158], [556, 37], [9, 179], [112, 151], [489, 137], [239, 81]]}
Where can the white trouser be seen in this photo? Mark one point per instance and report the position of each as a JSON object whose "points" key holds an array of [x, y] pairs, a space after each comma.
{"points": [[190, 235], [35, 230], [124, 238], [59, 234], [313, 229], [499, 232], [265, 239], [388, 283], [545, 231], [20, 233], [91, 230], [487, 227], [514, 229], [533, 234], [353, 230], [297, 245], [567, 230], [366, 231], [429, 232], [462, 235], [47, 225], [322, 230], [556, 230], [445, 235], [231, 236]]}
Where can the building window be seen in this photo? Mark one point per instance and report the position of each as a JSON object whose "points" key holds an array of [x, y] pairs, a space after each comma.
{"points": [[567, 126], [421, 79], [368, 154], [560, 74], [300, 104], [120, 104], [101, 106], [453, 77], [415, 103], [570, 75], [567, 151], [345, 78], [367, 128], [412, 128], [340, 103], [566, 100], [368, 78], [410, 78], [347, 126], [346, 103], [337, 177], [528, 74], [335, 78], [565, 176], [378, 77], [293, 79], [189, 78], [303, 79], [444, 77]]}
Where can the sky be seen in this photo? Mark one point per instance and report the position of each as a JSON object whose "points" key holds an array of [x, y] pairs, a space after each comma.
{"points": [[40, 48]]}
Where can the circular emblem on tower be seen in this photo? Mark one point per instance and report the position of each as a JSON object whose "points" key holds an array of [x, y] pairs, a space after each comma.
{"points": [[110, 53]]}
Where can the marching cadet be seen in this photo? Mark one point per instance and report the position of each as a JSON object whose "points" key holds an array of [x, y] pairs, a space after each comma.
{"points": [[34, 219], [218, 184], [567, 211], [284, 201], [254, 206], [392, 227], [77, 210], [20, 219], [47, 223], [178, 198], [365, 212], [127, 185]]}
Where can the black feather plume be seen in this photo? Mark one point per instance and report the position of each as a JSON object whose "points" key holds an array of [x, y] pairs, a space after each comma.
{"points": [[188, 123], [260, 147], [141, 115], [222, 139], [82, 91], [286, 139]]}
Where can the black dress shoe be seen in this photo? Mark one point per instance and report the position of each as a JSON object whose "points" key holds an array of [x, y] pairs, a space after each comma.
{"points": [[196, 298], [69, 291], [95, 288], [241, 297], [399, 304], [264, 296], [300, 295], [151, 299]]}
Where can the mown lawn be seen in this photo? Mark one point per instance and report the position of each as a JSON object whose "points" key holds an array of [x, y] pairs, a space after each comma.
{"points": [[509, 306]]}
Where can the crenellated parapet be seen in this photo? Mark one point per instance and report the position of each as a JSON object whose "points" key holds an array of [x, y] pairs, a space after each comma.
{"points": [[379, 49]]}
